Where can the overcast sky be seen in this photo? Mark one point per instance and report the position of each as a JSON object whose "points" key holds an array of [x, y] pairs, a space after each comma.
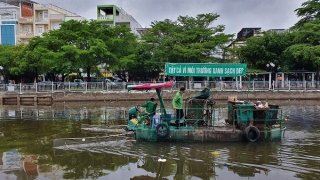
{"points": [[234, 14]]}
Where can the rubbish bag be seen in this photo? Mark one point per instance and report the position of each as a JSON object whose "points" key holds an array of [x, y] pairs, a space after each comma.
{"points": [[204, 94]]}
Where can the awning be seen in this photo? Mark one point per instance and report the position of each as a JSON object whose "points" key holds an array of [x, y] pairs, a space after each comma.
{"points": [[149, 86]]}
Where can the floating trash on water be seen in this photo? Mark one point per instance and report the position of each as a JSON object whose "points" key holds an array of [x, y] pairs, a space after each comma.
{"points": [[83, 139], [66, 146], [162, 160], [131, 140], [215, 153]]}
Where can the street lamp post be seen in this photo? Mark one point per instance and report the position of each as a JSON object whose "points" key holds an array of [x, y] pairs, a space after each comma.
{"points": [[105, 75], [270, 66]]}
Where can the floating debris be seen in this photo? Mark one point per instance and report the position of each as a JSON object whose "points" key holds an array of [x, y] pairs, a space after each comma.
{"points": [[215, 153], [162, 160]]}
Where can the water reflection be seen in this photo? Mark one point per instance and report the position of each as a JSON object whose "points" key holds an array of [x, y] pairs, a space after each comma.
{"points": [[27, 133]]}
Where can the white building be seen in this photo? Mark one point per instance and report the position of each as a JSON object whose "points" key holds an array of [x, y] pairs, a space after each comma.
{"points": [[8, 23], [112, 15]]}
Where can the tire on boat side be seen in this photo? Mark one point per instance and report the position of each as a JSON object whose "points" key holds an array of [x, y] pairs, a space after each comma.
{"points": [[159, 130], [252, 137]]}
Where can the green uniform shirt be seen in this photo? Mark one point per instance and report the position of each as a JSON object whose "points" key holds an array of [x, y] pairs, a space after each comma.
{"points": [[177, 100], [149, 105]]}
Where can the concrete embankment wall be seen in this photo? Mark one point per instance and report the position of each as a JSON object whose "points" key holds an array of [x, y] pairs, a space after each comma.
{"points": [[49, 98], [217, 95]]}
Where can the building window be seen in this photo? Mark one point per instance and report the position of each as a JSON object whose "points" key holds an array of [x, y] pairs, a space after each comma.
{"points": [[40, 30], [45, 14], [27, 29], [40, 15]]}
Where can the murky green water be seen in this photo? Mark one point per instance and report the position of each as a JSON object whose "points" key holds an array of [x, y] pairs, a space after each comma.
{"points": [[27, 136]]}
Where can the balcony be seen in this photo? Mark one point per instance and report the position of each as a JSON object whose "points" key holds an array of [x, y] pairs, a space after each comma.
{"points": [[25, 20], [25, 35], [41, 6], [106, 18], [41, 21], [8, 17], [54, 8], [57, 17], [123, 18]]}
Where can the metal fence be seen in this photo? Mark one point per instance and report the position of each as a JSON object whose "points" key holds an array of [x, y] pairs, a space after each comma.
{"points": [[213, 85]]}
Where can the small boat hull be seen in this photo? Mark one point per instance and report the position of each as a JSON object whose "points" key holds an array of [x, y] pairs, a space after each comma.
{"points": [[219, 134]]}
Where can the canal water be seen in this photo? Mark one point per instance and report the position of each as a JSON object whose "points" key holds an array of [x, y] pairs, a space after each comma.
{"points": [[29, 148]]}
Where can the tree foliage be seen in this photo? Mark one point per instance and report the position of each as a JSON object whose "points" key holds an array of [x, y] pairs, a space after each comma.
{"points": [[297, 49], [309, 11], [306, 48], [81, 48], [9, 60], [37, 57], [260, 51], [188, 39], [87, 44]]}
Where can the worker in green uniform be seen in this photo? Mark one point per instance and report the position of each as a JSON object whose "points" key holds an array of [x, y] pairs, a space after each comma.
{"points": [[150, 109], [149, 105], [177, 105]]}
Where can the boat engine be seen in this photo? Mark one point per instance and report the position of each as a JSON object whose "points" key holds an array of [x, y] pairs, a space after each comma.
{"points": [[133, 112]]}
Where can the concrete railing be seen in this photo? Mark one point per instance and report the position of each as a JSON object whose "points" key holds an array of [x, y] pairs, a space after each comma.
{"points": [[25, 34], [25, 19], [197, 85], [107, 17], [42, 20]]}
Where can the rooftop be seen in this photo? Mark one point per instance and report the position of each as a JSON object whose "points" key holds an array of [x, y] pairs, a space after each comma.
{"points": [[16, 2]]}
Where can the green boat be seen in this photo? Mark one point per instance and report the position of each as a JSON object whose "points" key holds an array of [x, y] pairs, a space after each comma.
{"points": [[247, 121]]}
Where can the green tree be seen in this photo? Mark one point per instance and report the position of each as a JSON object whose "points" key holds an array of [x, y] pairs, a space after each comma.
{"points": [[260, 51], [306, 50], [143, 65], [9, 56], [309, 11], [36, 57], [86, 44], [124, 47], [189, 39], [80, 48]]}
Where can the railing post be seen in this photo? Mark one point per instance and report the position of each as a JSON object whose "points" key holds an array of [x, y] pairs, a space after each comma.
{"points": [[273, 85], [20, 88], [305, 85], [52, 86], [289, 85], [36, 87], [86, 86], [253, 85]]}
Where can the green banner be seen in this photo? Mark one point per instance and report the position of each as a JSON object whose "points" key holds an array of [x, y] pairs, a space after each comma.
{"points": [[206, 69]]}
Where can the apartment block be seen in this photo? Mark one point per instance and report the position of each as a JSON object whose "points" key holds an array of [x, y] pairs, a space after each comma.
{"points": [[22, 20], [242, 35], [113, 15], [36, 19], [8, 23]]}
